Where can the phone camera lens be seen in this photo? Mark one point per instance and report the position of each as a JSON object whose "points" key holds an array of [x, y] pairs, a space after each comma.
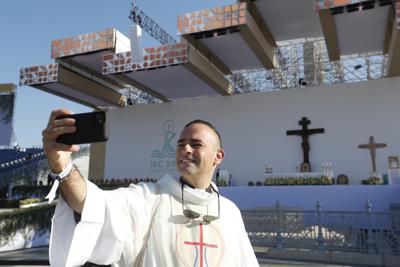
{"points": [[100, 118]]}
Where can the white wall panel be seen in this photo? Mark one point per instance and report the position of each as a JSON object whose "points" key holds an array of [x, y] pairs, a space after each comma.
{"points": [[253, 128]]}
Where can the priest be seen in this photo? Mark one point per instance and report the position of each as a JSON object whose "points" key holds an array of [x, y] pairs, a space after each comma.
{"points": [[178, 221]]}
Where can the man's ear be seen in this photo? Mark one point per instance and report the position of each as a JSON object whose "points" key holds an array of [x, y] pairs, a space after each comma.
{"points": [[219, 156]]}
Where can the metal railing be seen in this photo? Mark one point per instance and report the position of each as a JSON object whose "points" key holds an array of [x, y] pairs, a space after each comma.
{"points": [[364, 232]]}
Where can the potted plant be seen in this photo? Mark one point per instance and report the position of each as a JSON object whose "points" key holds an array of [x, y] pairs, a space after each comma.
{"points": [[372, 180]]}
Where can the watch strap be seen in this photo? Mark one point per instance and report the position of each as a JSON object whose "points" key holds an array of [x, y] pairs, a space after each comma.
{"points": [[60, 176]]}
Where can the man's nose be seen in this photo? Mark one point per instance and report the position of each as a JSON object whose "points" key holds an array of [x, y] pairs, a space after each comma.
{"points": [[187, 148]]}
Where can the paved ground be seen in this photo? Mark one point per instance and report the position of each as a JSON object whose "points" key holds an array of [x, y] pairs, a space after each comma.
{"points": [[33, 256], [38, 257]]}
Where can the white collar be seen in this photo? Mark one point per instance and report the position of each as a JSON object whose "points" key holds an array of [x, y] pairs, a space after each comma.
{"points": [[192, 195]]}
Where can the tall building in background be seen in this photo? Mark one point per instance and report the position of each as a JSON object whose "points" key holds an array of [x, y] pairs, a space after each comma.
{"points": [[7, 103]]}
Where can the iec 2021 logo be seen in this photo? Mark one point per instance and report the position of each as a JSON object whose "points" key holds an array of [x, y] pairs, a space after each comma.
{"points": [[163, 160]]}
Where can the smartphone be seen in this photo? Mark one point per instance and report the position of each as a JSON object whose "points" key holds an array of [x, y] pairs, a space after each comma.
{"points": [[91, 127]]}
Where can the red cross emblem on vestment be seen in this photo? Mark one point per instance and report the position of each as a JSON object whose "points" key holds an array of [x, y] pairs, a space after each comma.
{"points": [[199, 246]]}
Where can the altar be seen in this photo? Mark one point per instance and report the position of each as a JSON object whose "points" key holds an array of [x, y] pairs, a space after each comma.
{"points": [[333, 197]]}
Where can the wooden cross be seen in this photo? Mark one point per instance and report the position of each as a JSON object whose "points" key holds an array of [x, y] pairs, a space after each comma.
{"points": [[372, 146], [305, 133]]}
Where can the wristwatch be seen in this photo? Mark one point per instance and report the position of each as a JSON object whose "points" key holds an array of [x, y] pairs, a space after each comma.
{"points": [[62, 175]]}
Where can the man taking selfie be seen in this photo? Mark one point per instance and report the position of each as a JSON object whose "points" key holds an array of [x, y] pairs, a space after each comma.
{"points": [[180, 221]]}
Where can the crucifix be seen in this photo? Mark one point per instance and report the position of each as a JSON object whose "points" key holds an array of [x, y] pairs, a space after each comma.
{"points": [[305, 133], [372, 146]]}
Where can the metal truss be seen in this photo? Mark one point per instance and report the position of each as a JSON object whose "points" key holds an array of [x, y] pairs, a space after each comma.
{"points": [[137, 16], [136, 96], [150, 26]]}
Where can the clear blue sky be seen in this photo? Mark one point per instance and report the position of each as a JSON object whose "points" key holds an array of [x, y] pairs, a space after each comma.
{"points": [[27, 28]]}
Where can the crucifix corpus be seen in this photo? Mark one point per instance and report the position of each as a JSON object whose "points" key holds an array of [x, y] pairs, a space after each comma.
{"points": [[305, 133], [372, 146]]}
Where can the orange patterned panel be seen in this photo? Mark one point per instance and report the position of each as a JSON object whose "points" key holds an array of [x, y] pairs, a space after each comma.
{"points": [[82, 43], [212, 19], [38, 74], [154, 57]]}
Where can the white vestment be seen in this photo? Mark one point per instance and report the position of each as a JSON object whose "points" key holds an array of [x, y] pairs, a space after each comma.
{"points": [[114, 225]]}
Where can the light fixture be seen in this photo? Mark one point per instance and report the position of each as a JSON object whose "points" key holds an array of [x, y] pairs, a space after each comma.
{"points": [[368, 5], [353, 7], [385, 2], [302, 82], [336, 10]]}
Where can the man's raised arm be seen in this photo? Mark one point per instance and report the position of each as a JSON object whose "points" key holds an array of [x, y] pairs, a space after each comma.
{"points": [[73, 187]]}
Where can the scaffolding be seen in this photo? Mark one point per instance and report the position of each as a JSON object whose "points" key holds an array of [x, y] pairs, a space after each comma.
{"points": [[305, 63]]}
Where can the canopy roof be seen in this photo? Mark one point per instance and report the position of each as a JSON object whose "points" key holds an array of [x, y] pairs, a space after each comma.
{"points": [[215, 43]]}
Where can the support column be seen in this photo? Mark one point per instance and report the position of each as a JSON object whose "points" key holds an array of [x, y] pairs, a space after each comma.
{"points": [[97, 160]]}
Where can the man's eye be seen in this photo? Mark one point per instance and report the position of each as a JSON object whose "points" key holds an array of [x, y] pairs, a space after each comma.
{"points": [[197, 145]]}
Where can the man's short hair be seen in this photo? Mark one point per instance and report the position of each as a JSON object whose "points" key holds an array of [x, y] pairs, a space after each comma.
{"points": [[209, 125]]}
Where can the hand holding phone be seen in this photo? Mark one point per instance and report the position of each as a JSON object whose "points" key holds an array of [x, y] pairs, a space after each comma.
{"points": [[91, 127]]}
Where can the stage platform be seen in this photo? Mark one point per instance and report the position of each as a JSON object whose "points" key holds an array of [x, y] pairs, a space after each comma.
{"points": [[76, 75], [88, 49], [58, 80], [246, 35], [355, 27], [95, 68], [169, 72], [300, 19], [229, 37], [332, 197]]}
